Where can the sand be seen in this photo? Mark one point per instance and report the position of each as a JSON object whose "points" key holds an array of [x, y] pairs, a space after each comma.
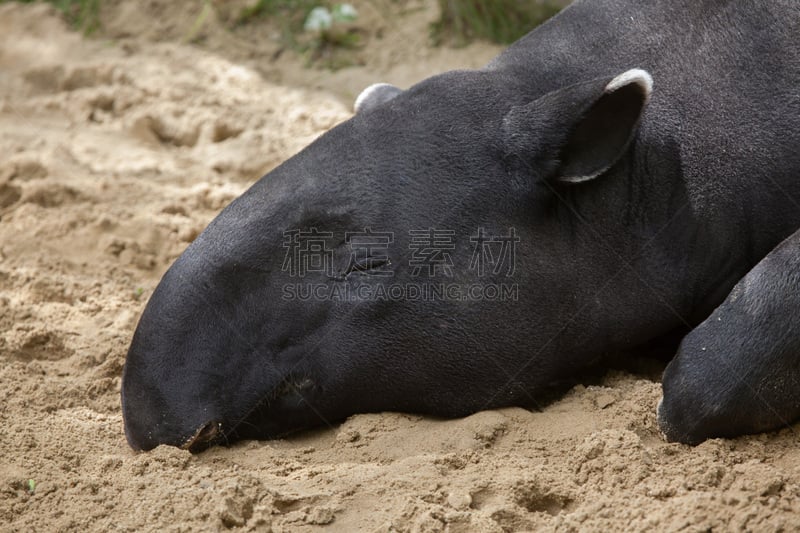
{"points": [[115, 152]]}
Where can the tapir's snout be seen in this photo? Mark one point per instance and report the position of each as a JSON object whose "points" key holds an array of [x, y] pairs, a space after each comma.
{"points": [[167, 403], [188, 376], [671, 431], [177, 408], [207, 435], [150, 422]]}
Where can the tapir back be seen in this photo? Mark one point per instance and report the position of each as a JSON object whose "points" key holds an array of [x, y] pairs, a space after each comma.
{"points": [[725, 105]]}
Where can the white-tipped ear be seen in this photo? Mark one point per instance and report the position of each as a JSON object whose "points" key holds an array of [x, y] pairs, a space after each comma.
{"points": [[577, 133], [375, 95], [608, 127], [640, 77]]}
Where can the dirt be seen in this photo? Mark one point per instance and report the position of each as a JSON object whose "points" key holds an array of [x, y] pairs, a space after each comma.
{"points": [[116, 152]]}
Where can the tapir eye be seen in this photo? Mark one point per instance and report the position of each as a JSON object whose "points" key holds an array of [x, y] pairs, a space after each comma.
{"points": [[365, 264]]}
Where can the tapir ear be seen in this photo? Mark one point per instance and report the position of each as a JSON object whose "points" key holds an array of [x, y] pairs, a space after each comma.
{"points": [[375, 95], [577, 133]]}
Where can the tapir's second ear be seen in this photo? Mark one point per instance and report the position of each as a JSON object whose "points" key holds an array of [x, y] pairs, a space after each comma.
{"points": [[577, 133], [375, 95]]}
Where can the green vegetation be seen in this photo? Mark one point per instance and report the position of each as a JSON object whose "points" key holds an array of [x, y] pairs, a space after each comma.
{"points": [[499, 21], [293, 12], [81, 14], [325, 31], [198, 23], [330, 29], [319, 29]]}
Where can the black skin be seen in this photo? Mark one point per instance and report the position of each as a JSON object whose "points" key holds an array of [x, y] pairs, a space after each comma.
{"points": [[739, 371], [634, 216]]}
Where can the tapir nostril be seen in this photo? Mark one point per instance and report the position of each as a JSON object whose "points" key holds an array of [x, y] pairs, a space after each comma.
{"points": [[204, 437]]}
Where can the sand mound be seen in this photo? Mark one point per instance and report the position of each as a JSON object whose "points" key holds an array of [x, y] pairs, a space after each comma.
{"points": [[115, 156]]}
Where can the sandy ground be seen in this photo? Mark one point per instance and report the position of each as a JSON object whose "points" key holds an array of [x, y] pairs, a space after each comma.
{"points": [[114, 153]]}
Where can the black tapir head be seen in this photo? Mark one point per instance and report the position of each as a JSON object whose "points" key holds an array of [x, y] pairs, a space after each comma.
{"points": [[436, 253]]}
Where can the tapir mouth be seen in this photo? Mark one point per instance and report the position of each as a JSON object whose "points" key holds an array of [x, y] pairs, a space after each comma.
{"points": [[215, 432], [206, 436]]}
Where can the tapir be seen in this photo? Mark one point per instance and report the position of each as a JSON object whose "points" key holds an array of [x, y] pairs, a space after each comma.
{"points": [[739, 371], [485, 235]]}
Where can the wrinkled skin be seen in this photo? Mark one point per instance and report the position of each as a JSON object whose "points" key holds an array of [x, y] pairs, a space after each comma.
{"points": [[636, 213]]}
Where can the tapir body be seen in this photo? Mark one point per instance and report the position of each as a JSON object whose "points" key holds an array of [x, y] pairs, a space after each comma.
{"points": [[640, 156], [739, 371]]}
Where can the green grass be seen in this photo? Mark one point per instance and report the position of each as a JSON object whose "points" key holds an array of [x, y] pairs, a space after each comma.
{"points": [[290, 14], [499, 21], [327, 47], [83, 15], [461, 21]]}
